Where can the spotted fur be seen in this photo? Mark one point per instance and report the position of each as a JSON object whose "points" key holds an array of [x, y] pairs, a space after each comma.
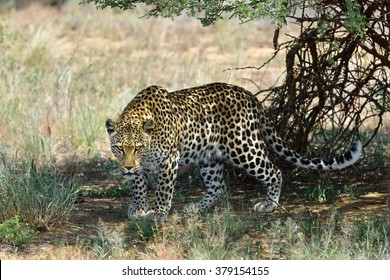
{"points": [[207, 126]]}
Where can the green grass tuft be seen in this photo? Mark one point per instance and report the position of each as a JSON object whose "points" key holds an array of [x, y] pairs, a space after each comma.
{"points": [[322, 193], [40, 196]]}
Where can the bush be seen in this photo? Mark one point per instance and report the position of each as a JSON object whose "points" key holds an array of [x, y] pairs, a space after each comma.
{"points": [[14, 232], [41, 197], [143, 230]]}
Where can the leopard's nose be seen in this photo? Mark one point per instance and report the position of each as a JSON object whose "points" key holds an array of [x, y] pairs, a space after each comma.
{"points": [[128, 169]]}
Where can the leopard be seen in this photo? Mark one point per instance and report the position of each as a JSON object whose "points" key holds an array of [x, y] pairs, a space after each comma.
{"points": [[207, 126]]}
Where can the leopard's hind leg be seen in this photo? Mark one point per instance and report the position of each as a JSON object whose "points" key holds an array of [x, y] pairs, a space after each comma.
{"points": [[254, 160]]}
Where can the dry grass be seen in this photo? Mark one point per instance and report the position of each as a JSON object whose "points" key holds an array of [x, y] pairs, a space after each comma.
{"points": [[64, 71], [214, 237]]}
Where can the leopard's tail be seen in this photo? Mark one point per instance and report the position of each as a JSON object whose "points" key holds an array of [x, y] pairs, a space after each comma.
{"points": [[339, 162]]}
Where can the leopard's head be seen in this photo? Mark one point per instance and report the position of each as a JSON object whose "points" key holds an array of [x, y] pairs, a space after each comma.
{"points": [[130, 142]]}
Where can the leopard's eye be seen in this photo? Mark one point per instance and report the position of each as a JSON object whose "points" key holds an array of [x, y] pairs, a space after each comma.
{"points": [[117, 149], [138, 148]]}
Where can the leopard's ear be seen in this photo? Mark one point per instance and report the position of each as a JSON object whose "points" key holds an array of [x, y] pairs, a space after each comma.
{"points": [[110, 126], [149, 126]]}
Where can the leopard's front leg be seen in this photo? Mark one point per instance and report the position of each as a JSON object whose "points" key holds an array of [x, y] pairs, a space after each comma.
{"points": [[139, 205], [166, 182]]}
